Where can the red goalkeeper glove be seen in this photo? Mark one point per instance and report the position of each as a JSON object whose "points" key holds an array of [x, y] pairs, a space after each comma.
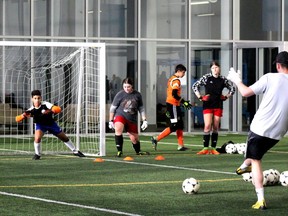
{"points": [[205, 98], [223, 98]]}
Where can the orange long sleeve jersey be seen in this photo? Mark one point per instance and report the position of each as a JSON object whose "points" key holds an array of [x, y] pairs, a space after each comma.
{"points": [[174, 84]]}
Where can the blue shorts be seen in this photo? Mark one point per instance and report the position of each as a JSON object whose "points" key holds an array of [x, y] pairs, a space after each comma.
{"points": [[257, 145], [54, 128]]}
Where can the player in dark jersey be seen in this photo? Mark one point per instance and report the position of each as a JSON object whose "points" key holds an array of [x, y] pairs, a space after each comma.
{"points": [[213, 99], [123, 115], [174, 113], [42, 113]]}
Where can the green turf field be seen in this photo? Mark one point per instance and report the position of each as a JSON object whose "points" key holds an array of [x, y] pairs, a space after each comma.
{"points": [[67, 185]]}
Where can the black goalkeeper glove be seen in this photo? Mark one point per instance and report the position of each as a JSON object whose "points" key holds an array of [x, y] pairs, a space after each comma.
{"points": [[187, 104]]}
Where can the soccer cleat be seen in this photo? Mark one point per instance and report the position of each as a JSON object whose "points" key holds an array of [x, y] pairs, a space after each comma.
{"points": [[154, 143], [182, 148], [240, 171], [79, 154], [143, 153], [119, 154], [203, 151], [260, 205], [36, 157], [214, 152]]}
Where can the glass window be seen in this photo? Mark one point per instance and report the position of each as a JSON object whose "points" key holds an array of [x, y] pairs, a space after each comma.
{"points": [[17, 18], [211, 19], [286, 20], [260, 20], [158, 61], [67, 18], [114, 18], [164, 19], [121, 62], [42, 17]]}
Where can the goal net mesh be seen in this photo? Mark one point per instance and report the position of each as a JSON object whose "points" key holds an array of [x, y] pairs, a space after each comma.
{"points": [[70, 77]]}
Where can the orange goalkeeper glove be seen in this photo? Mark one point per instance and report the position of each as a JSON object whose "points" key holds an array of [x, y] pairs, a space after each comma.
{"points": [[56, 109], [19, 118]]}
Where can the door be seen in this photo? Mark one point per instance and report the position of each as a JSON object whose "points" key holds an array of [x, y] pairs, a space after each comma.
{"points": [[253, 63]]}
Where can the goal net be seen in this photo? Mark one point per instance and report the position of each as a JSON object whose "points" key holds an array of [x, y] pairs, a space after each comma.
{"points": [[70, 75]]}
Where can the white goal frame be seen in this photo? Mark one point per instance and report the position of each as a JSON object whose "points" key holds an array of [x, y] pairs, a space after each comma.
{"points": [[101, 63]]}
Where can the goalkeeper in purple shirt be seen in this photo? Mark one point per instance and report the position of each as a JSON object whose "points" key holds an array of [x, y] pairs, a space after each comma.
{"points": [[123, 115]]}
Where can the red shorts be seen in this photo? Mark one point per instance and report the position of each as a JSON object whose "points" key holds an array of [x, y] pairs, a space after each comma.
{"points": [[129, 126], [216, 112]]}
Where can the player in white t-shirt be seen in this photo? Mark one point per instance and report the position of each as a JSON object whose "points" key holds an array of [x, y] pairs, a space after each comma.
{"points": [[270, 122]]}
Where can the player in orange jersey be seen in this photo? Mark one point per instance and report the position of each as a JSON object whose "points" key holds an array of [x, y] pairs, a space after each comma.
{"points": [[174, 114]]}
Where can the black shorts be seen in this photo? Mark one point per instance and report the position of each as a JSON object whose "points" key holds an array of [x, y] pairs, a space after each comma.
{"points": [[257, 145]]}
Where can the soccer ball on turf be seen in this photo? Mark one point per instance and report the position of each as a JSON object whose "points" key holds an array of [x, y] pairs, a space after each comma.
{"points": [[247, 177], [230, 148], [284, 178], [276, 174], [270, 176], [190, 186]]}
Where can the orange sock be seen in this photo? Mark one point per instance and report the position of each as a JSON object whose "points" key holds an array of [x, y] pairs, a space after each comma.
{"points": [[163, 134], [179, 134]]}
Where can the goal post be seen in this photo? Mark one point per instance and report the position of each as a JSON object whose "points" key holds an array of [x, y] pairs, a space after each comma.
{"points": [[70, 75]]}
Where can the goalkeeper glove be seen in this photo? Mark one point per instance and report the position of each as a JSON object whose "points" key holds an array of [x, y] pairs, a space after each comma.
{"points": [[19, 118], [187, 104], [223, 98], [111, 125], [234, 76], [144, 125], [205, 98]]}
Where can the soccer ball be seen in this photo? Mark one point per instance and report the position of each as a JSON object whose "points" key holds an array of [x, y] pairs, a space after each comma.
{"points": [[284, 178], [230, 148], [276, 173], [190, 186], [270, 176], [241, 148], [247, 177]]}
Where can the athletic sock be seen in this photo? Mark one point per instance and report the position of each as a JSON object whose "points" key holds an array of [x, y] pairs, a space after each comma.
{"points": [[37, 147], [70, 145], [179, 134], [260, 193], [163, 134], [206, 139], [119, 142], [214, 139], [136, 147]]}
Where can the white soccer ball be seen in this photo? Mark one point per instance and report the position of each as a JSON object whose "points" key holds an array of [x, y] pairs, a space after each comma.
{"points": [[270, 176], [276, 174], [241, 148], [247, 177], [190, 186], [284, 178], [43, 111], [230, 148]]}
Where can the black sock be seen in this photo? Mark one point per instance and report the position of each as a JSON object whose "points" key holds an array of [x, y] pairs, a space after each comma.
{"points": [[119, 142], [206, 139], [136, 147], [214, 139]]}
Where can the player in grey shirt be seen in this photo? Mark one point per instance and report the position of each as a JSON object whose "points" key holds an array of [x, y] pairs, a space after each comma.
{"points": [[270, 122], [123, 115]]}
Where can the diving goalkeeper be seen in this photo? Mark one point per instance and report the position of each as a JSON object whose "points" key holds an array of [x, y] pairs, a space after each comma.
{"points": [[42, 113], [174, 113]]}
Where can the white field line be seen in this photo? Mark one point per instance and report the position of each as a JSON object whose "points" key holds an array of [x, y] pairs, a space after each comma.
{"points": [[172, 167], [68, 204]]}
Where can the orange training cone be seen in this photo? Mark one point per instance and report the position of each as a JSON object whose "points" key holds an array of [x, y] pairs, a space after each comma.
{"points": [[159, 158], [128, 158], [99, 160]]}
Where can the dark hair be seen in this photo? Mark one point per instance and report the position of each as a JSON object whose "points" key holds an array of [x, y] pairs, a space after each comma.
{"points": [[282, 58], [180, 67], [214, 63], [127, 80], [36, 92]]}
